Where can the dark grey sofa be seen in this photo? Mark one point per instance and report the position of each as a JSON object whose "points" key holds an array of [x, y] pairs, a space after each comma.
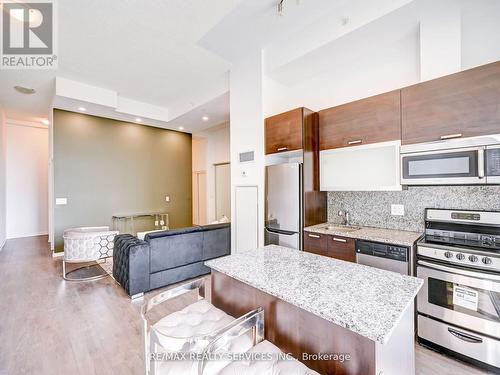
{"points": [[167, 257]]}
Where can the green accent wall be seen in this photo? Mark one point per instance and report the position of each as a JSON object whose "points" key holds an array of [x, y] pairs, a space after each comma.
{"points": [[106, 167]]}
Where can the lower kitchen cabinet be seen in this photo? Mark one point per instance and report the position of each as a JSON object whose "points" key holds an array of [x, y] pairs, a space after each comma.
{"points": [[342, 248], [316, 243], [337, 247]]}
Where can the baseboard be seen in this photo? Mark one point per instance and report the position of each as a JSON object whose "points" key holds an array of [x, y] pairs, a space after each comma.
{"points": [[2, 245], [28, 235], [58, 254]]}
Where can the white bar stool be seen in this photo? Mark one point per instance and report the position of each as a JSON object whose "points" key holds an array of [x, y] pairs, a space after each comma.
{"points": [[188, 330]]}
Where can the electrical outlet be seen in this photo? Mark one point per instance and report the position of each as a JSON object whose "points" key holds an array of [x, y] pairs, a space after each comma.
{"points": [[167, 198], [61, 201], [397, 209]]}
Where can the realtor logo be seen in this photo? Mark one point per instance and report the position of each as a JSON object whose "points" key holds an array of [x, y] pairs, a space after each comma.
{"points": [[28, 35]]}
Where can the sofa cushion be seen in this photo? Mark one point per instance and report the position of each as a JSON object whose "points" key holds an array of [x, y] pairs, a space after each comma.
{"points": [[172, 232], [170, 251], [174, 275], [216, 240], [215, 226]]}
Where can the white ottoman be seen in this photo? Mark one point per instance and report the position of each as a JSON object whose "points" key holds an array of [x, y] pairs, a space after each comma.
{"points": [[87, 244]]}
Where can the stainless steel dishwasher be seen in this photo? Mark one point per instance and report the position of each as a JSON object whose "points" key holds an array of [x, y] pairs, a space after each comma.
{"points": [[388, 257]]}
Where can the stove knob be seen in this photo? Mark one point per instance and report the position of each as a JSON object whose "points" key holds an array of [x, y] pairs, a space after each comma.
{"points": [[448, 254], [487, 260], [460, 256], [473, 258]]}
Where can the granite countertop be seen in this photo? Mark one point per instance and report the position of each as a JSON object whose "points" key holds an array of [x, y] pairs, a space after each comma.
{"points": [[366, 300], [392, 236]]}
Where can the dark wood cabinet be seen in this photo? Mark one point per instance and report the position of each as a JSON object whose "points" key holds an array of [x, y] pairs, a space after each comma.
{"points": [[316, 243], [298, 130], [464, 104], [284, 132], [343, 248], [370, 120]]}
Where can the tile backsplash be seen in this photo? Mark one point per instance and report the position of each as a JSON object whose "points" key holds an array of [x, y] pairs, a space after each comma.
{"points": [[373, 208]]}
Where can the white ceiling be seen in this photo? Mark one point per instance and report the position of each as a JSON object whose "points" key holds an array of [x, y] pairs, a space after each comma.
{"points": [[216, 111], [176, 54], [143, 50]]}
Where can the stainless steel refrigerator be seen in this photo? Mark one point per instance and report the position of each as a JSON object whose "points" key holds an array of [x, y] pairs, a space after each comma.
{"points": [[284, 206]]}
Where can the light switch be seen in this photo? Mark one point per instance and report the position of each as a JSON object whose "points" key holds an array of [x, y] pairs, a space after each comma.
{"points": [[61, 201], [167, 198], [397, 209]]}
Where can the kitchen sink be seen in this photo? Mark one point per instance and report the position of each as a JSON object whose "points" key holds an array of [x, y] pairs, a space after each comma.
{"points": [[342, 228]]}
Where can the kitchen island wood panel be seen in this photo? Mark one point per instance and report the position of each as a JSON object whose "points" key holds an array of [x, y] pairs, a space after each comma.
{"points": [[322, 306], [296, 331]]}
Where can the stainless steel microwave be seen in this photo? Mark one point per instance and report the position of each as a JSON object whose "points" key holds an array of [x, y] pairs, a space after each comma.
{"points": [[461, 161]]}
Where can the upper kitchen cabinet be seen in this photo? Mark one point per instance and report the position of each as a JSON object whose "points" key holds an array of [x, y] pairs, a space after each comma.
{"points": [[464, 104], [371, 120], [284, 132]]}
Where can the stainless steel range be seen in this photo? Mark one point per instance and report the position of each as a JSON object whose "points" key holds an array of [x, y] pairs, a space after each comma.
{"points": [[459, 306]]}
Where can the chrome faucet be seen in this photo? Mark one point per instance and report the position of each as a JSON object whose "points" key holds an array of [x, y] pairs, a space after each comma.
{"points": [[345, 217]]}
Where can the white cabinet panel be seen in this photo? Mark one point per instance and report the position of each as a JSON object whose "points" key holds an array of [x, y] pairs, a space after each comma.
{"points": [[371, 167]]}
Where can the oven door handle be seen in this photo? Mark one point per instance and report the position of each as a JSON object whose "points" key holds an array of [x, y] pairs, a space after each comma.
{"points": [[465, 336], [457, 271]]}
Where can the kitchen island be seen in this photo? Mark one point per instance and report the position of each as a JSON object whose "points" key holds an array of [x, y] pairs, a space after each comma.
{"points": [[317, 305]]}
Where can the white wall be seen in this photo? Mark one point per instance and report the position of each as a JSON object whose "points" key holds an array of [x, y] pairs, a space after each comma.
{"points": [[247, 134], [216, 150], [2, 178], [374, 72], [480, 32], [27, 179], [363, 67], [199, 154]]}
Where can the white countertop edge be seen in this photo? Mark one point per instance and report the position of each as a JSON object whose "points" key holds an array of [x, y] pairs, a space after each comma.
{"points": [[388, 335]]}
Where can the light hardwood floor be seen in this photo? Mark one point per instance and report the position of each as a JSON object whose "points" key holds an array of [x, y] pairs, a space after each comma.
{"points": [[51, 326]]}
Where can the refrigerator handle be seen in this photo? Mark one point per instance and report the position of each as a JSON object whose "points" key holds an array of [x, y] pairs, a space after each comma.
{"points": [[280, 231]]}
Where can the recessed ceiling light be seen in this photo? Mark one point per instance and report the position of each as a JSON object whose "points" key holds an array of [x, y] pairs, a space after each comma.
{"points": [[204, 118], [24, 90], [137, 119], [45, 121], [83, 109], [181, 127]]}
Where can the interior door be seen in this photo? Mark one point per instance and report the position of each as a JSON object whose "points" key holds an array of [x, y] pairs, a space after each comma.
{"points": [[199, 198], [222, 191]]}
